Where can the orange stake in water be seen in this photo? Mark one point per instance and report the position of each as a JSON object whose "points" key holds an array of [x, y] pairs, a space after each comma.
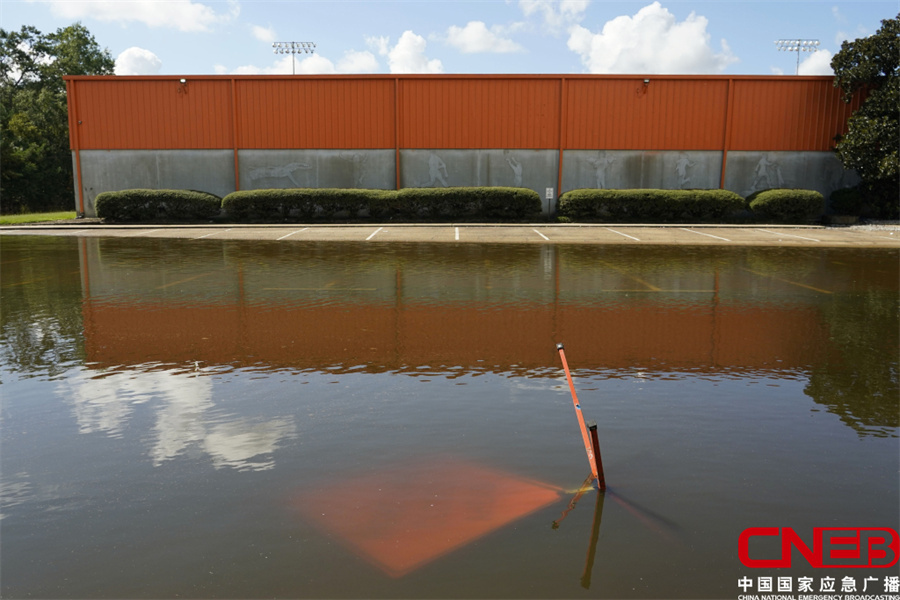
{"points": [[593, 459]]}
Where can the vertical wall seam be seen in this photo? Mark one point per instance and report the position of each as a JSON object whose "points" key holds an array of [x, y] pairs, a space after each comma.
{"points": [[561, 141], [234, 135], [397, 132], [726, 137]]}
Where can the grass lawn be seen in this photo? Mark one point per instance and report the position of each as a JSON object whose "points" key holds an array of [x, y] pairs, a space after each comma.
{"points": [[35, 217]]}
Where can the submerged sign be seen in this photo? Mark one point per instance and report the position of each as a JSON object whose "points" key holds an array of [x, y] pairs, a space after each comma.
{"points": [[402, 518]]}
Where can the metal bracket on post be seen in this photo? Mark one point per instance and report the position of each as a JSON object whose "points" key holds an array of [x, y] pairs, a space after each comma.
{"points": [[598, 462]]}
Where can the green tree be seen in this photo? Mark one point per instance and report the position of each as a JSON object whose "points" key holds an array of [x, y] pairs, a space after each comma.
{"points": [[36, 172], [871, 144]]}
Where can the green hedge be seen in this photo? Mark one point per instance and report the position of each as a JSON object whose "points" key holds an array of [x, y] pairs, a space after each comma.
{"points": [[650, 206], [300, 204], [412, 204], [787, 206], [493, 203], [157, 205]]}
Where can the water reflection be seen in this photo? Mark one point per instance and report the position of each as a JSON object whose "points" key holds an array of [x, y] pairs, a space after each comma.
{"points": [[40, 305], [184, 420], [456, 309], [404, 517], [480, 308], [214, 399], [828, 315]]}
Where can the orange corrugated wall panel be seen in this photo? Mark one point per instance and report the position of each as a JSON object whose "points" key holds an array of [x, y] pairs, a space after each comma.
{"points": [[482, 112], [665, 114], [788, 113], [316, 113], [457, 111], [145, 114]]}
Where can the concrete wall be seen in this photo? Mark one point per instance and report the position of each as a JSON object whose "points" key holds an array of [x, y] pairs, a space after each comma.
{"points": [[532, 169], [113, 170], [748, 172], [369, 169], [213, 170], [619, 169]]}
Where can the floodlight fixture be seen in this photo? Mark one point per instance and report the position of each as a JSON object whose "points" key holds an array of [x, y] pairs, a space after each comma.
{"points": [[798, 46], [293, 48]]}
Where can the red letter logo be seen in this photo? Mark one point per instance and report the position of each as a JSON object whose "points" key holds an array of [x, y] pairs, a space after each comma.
{"points": [[843, 547]]}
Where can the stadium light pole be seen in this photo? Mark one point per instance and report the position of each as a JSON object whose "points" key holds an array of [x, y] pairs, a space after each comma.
{"points": [[293, 48], [797, 46]]}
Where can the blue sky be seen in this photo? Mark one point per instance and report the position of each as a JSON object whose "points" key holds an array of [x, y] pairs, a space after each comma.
{"points": [[460, 36]]}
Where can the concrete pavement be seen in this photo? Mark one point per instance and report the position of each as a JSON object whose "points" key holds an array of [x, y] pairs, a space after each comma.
{"points": [[872, 236]]}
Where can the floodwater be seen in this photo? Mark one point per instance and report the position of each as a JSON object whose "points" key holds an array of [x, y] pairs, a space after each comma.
{"points": [[223, 419]]}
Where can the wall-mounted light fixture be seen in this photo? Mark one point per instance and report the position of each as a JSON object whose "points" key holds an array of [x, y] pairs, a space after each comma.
{"points": [[641, 90], [182, 86]]}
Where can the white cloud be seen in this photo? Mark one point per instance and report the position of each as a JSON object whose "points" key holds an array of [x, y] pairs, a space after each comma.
{"points": [[651, 41], [380, 44], [315, 65], [357, 62], [475, 37], [184, 15], [817, 63], [408, 56], [557, 14], [843, 36], [137, 61], [263, 34]]}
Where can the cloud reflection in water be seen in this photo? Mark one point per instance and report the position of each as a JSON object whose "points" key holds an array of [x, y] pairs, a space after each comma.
{"points": [[183, 408]]}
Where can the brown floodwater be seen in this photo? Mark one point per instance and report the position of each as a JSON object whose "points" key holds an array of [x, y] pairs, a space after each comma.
{"points": [[231, 419]]}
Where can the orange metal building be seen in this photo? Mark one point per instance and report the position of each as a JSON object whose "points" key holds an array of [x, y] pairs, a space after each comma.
{"points": [[563, 114]]}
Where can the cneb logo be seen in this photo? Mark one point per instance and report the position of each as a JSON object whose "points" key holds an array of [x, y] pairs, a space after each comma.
{"points": [[842, 547]]}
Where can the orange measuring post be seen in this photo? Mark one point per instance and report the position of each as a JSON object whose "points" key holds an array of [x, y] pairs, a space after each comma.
{"points": [[593, 457]]}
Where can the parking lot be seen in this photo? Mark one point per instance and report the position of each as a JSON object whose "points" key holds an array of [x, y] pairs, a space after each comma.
{"points": [[538, 233]]}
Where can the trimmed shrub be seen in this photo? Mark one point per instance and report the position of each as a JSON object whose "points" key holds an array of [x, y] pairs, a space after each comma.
{"points": [[787, 206], [299, 204], [463, 203], [650, 206], [157, 205], [411, 204]]}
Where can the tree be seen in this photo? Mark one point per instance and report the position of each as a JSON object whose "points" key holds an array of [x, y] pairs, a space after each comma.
{"points": [[871, 144], [36, 161]]}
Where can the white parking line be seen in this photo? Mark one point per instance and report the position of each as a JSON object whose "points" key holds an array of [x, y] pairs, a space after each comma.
{"points": [[625, 234], [706, 234], [789, 235], [373, 233], [140, 233], [291, 233], [209, 234], [541, 234], [457, 233]]}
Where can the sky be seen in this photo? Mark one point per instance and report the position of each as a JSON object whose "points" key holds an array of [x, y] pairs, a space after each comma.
{"points": [[190, 37]]}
